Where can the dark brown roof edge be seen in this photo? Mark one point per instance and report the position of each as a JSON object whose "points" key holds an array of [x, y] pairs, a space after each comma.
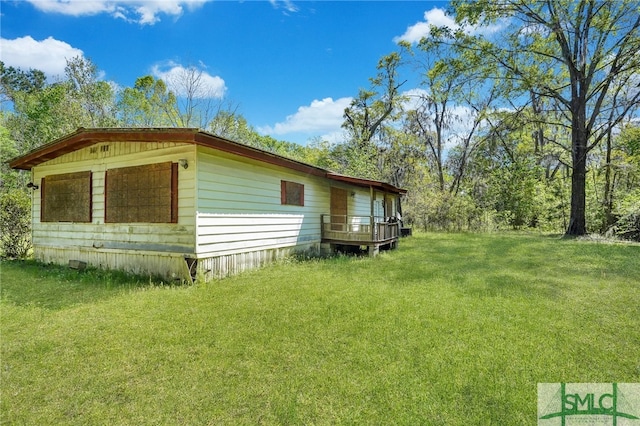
{"points": [[84, 137], [366, 182], [209, 140]]}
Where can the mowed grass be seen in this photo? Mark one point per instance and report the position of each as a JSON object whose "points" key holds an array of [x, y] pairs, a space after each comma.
{"points": [[448, 329]]}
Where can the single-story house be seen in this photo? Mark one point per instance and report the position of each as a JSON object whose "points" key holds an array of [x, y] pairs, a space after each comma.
{"points": [[177, 202]]}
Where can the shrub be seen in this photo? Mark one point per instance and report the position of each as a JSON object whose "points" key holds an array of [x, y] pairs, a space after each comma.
{"points": [[15, 223], [442, 211], [628, 226]]}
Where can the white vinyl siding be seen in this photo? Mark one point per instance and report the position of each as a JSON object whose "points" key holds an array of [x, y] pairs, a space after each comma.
{"points": [[177, 238], [230, 212], [240, 209], [378, 206], [360, 206], [229, 234], [151, 237]]}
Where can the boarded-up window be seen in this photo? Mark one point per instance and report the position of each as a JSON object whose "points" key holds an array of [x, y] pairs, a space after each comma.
{"points": [[142, 194], [66, 198], [291, 193]]}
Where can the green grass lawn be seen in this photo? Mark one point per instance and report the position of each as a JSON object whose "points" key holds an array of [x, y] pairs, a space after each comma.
{"points": [[448, 329]]}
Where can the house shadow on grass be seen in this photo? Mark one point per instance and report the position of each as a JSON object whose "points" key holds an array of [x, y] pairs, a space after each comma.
{"points": [[48, 286]]}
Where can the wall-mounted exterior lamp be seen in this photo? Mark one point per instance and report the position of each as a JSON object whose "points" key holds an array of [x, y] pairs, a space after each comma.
{"points": [[32, 186], [183, 163]]}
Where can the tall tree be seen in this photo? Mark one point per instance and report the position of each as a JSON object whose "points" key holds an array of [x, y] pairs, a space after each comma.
{"points": [[14, 81], [365, 120], [41, 111], [43, 115], [577, 53], [197, 102], [369, 111], [147, 103], [95, 96], [452, 108]]}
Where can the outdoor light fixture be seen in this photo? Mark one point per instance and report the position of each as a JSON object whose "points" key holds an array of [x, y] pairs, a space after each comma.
{"points": [[184, 163], [32, 186]]}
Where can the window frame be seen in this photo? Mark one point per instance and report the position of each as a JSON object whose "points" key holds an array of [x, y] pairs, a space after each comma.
{"points": [[82, 199], [291, 193], [117, 213]]}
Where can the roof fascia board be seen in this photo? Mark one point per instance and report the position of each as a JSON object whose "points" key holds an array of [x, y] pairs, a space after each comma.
{"points": [[82, 138], [366, 183], [211, 141], [87, 137]]}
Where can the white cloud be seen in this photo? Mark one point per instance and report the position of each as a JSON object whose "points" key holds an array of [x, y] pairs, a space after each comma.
{"points": [[190, 81], [460, 117], [286, 5], [140, 11], [324, 115], [49, 55], [74, 7], [414, 98], [437, 17]]}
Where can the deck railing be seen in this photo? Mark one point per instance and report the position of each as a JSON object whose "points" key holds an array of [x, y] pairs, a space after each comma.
{"points": [[359, 229]]}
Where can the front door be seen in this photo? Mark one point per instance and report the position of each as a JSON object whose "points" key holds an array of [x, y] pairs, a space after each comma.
{"points": [[338, 209]]}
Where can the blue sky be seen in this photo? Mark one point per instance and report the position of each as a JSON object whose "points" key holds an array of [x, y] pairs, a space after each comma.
{"points": [[291, 67]]}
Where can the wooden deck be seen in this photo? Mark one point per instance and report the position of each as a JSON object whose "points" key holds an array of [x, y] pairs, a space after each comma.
{"points": [[371, 231]]}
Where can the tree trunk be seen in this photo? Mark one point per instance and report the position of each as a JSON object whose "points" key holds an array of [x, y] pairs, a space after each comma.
{"points": [[577, 219], [607, 217]]}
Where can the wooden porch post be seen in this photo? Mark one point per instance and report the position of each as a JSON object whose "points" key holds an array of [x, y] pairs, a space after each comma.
{"points": [[372, 196], [373, 249]]}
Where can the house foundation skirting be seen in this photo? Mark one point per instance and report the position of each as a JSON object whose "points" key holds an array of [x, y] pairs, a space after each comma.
{"points": [[222, 266], [168, 266]]}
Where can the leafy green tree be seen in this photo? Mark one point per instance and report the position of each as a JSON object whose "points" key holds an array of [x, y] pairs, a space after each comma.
{"points": [[579, 54], [403, 158], [451, 108], [146, 104], [515, 187], [196, 102], [9, 179], [34, 108], [42, 112], [229, 124], [15, 223], [509, 178], [449, 123], [354, 160], [366, 120], [319, 153], [42, 116], [371, 109], [96, 97], [628, 165], [14, 80], [625, 180]]}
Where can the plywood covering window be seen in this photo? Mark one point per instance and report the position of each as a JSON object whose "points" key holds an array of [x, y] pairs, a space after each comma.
{"points": [[66, 198], [146, 194], [291, 193]]}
